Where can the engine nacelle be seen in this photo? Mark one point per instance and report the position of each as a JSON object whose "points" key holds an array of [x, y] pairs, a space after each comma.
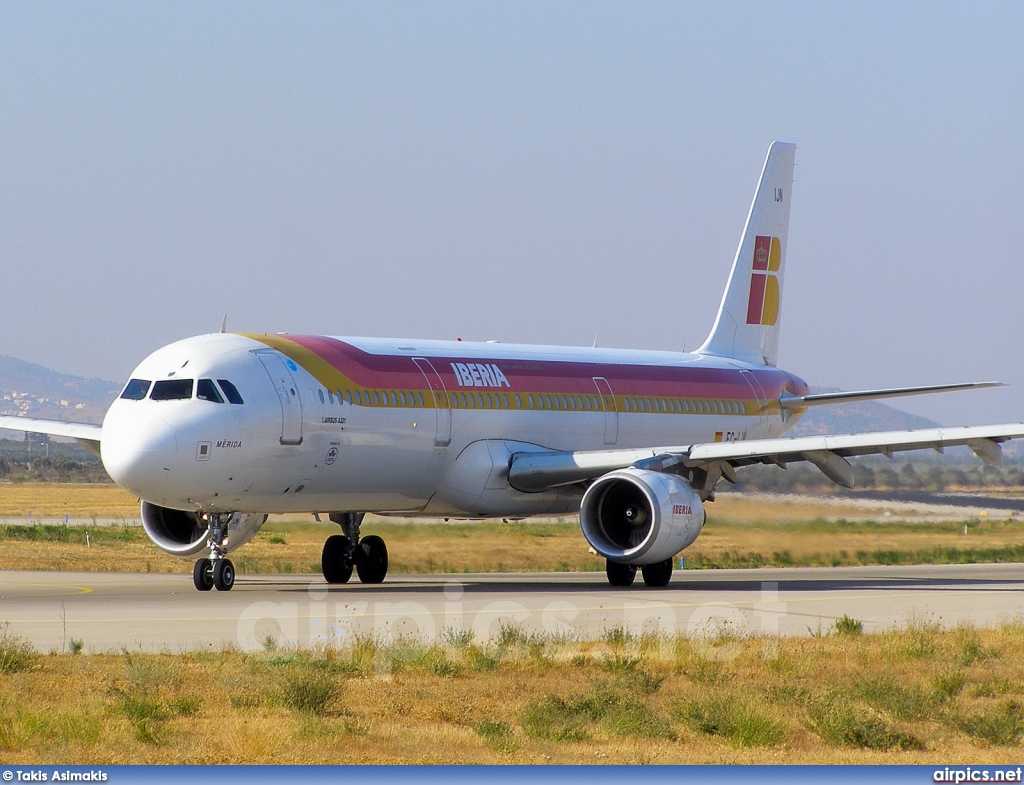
{"points": [[640, 517], [182, 533]]}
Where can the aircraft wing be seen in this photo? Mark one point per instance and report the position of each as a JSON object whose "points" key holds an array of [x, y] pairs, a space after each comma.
{"points": [[538, 471], [86, 435]]}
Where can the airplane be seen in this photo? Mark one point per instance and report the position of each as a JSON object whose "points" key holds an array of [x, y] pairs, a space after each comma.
{"points": [[214, 433]]}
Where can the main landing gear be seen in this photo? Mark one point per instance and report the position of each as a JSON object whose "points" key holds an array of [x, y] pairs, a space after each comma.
{"points": [[343, 552], [657, 575], [217, 570]]}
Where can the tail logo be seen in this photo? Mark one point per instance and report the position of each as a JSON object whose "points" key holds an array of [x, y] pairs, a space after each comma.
{"points": [[763, 305]]}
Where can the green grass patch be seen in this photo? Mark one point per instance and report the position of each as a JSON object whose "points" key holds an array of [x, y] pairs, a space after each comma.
{"points": [[497, 735], [309, 692], [732, 719], [847, 625], [16, 654], [899, 700], [1002, 724], [609, 707], [841, 724]]}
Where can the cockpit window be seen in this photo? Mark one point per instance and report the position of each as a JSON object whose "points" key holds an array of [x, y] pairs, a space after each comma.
{"points": [[172, 390], [205, 391], [230, 391], [136, 389]]}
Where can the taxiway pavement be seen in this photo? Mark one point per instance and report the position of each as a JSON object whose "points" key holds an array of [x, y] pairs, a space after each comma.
{"points": [[112, 612]]}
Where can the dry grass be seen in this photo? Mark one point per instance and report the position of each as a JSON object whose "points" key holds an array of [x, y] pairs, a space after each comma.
{"points": [[741, 531], [55, 500], [84, 500], [883, 698]]}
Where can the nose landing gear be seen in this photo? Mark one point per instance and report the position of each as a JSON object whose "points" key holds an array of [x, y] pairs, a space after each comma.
{"points": [[343, 552], [217, 570]]}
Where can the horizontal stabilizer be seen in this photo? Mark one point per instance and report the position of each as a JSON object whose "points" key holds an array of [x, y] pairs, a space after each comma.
{"points": [[819, 399]]}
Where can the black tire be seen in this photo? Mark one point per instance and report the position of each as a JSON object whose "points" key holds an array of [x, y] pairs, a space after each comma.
{"points": [[333, 560], [223, 575], [619, 574], [202, 575], [372, 559], [659, 574]]}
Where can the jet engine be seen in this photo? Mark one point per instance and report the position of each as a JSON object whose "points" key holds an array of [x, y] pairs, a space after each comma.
{"points": [[182, 533], [639, 517]]}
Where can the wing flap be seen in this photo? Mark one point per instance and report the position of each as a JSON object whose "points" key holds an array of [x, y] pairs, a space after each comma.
{"points": [[847, 445], [538, 471]]}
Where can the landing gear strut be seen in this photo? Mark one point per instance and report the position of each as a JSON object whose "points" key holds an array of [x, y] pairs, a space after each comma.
{"points": [[217, 570], [343, 552]]}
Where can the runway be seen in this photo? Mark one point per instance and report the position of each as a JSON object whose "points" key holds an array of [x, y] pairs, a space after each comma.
{"points": [[112, 612]]}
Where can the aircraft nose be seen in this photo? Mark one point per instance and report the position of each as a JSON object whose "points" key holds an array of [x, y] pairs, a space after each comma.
{"points": [[139, 456]]}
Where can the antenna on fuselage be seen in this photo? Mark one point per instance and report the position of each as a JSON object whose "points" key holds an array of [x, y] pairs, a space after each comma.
{"points": [[223, 324], [596, 335]]}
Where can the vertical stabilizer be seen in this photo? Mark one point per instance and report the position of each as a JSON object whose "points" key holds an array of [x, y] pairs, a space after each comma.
{"points": [[747, 327]]}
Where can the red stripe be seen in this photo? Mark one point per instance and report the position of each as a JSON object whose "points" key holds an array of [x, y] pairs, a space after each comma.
{"points": [[756, 302], [386, 371]]}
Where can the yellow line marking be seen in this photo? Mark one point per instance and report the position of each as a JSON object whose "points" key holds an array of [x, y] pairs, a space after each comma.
{"points": [[79, 589]]}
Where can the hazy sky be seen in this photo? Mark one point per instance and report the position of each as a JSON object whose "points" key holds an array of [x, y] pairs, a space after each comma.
{"points": [[529, 172]]}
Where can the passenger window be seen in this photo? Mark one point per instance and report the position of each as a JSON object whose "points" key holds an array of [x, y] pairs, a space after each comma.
{"points": [[480, 400], [136, 390], [172, 390], [504, 399], [529, 400], [205, 391], [322, 399], [348, 396], [376, 398], [519, 402], [401, 397], [420, 396]]}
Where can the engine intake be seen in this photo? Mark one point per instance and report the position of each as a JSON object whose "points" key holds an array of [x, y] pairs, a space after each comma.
{"points": [[182, 533], [635, 516]]}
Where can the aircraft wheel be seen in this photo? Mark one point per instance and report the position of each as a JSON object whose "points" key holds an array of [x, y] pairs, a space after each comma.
{"points": [[334, 561], [372, 559], [619, 574], [658, 574], [224, 575], [202, 575]]}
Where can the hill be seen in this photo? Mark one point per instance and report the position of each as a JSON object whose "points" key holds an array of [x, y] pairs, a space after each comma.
{"points": [[31, 390], [856, 418]]}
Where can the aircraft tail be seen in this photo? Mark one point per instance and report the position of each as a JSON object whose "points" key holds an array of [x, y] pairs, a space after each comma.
{"points": [[747, 326]]}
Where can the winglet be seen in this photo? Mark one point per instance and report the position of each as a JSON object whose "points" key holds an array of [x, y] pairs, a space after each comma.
{"points": [[224, 324]]}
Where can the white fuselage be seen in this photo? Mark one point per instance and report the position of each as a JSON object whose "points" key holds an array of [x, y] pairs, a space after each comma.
{"points": [[411, 427]]}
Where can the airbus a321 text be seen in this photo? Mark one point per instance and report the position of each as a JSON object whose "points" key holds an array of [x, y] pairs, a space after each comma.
{"points": [[215, 432]]}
